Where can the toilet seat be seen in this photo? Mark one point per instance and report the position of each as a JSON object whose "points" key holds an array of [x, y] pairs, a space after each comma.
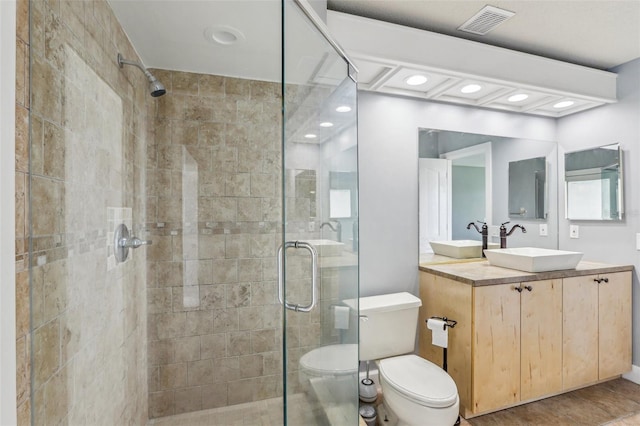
{"points": [[419, 380], [336, 360]]}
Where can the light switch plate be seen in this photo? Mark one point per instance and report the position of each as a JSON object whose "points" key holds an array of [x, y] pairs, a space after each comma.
{"points": [[574, 231], [543, 230], [637, 241]]}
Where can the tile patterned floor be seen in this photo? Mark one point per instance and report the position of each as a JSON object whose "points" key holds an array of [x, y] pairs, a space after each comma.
{"points": [[614, 403]]}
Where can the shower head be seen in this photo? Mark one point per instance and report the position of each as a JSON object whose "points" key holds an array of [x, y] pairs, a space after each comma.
{"points": [[155, 87]]}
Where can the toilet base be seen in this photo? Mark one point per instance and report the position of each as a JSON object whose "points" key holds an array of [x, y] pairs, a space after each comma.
{"points": [[386, 417], [412, 413]]}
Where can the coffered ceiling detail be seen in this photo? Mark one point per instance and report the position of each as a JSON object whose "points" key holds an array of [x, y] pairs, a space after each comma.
{"points": [[388, 54]]}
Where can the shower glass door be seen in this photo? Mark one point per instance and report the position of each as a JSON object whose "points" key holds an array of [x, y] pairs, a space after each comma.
{"points": [[318, 255]]}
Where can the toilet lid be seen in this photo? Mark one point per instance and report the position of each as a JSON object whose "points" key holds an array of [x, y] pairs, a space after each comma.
{"points": [[331, 360], [419, 380]]}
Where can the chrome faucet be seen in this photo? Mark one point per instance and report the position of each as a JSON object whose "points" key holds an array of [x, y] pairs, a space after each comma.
{"points": [[504, 234], [337, 229], [484, 231]]}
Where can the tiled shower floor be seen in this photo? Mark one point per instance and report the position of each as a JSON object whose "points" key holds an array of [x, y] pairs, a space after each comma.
{"points": [[260, 413]]}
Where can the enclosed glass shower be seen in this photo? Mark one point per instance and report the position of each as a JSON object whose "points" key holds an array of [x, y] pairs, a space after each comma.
{"points": [[195, 252]]}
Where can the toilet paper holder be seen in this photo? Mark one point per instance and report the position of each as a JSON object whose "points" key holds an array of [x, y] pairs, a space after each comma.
{"points": [[447, 322]]}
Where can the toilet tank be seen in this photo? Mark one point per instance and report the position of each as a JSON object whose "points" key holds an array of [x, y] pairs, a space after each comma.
{"points": [[388, 327]]}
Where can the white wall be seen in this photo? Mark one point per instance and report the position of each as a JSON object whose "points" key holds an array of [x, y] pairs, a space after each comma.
{"points": [[610, 242], [388, 161], [7, 213], [388, 152]]}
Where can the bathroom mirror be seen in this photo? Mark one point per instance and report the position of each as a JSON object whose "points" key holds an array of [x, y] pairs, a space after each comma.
{"points": [[594, 184], [528, 189], [464, 177], [304, 186]]}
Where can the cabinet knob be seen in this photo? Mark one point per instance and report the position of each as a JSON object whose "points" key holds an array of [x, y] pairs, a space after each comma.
{"points": [[605, 279], [518, 289], [598, 280], [528, 287]]}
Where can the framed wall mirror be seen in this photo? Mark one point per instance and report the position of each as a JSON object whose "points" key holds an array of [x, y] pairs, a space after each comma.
{"points": [[464, 177], [594, 184], [528, 189]]}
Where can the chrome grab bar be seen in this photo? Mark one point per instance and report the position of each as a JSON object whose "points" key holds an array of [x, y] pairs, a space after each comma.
{"points": [[314, 275]]}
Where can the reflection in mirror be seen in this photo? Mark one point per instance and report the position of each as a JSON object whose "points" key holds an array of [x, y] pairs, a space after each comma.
{"points": [[343, 204], [305, 190], [339, 203], [594, 184], [528, 188], [455, 190]]}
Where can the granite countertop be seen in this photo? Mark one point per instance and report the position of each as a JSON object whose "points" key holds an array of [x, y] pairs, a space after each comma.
{"points": [[482, 273]]}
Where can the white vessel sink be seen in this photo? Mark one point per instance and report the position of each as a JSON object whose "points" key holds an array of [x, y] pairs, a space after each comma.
{"points": [[532, 259], [460, 249], [327, 247]]}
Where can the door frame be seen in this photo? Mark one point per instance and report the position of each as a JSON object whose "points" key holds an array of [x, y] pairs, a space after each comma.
{"points": [[483, 149], [444, 209]]}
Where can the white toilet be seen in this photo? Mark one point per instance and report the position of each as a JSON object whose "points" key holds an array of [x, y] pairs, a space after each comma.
{"points": [[416, 391], [329, 362]]}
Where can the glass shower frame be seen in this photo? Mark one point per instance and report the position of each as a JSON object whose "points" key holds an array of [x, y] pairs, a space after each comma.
{"points": [[101, 325], [318, 255]]}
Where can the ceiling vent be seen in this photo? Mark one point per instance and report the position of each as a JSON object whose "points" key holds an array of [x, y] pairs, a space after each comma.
{"points": [[486, 20]]}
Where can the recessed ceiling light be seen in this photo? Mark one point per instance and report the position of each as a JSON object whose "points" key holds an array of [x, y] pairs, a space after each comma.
{"points": [[471, 88], [518, 97], [416, 80], [223, 34], [563, 104], [326, 124], [310, 136], [343, 108]]}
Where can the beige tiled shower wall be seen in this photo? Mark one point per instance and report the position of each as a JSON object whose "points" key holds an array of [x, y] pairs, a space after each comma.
{"points": [[213, 208], [87, 164], [22, 168]]}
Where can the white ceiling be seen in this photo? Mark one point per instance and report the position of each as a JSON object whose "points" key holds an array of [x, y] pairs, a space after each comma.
{"points": [[598, 34], [170, 34]]}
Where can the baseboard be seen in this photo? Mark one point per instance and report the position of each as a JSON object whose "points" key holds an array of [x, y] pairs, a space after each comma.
{"points": [[633, 375]]}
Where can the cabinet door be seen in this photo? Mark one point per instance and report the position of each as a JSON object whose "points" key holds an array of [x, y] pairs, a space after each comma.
{"points": [[614, 319], [496, 347], [580, 331], [541, 338]]}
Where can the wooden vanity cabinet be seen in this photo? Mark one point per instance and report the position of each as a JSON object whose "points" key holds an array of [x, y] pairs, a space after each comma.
{"points": [[597, 324], [506, 347], [517, 344], [510, 347]]}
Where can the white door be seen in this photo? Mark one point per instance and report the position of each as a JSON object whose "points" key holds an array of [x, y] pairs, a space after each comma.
{"points": [[434, 207]]}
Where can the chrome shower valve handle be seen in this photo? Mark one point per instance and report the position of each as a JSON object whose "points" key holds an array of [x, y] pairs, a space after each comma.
{"points": [[122, 242], [133, 242]]}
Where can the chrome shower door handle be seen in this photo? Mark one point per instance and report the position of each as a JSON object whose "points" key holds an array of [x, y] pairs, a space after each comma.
{"points": [[314, 275]]}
